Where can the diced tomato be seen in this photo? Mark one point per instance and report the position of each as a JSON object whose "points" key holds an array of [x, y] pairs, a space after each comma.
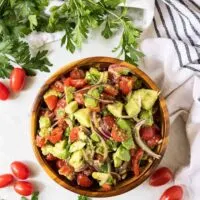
{"points": [[51, 101], [126, 85], [136, 162], [110, 90], [60, 163], [67, 81], [83, 180], [50, 157], [132, 151], [108, 121], [154, 141], [77, 73], [56, 135], [79, 98], [61, 103], [66, 170], [106, 187], [147, 132], [40, 141], [62, 124], [73, 136], [117, 134], [58, 86], [78, 83]]}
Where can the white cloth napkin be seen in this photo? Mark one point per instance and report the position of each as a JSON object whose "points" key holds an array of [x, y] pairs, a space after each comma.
{"points": [[178, 81]]}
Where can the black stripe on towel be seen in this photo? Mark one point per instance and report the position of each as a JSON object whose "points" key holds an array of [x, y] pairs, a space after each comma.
{"points": [[195, 4], [156, 28]]}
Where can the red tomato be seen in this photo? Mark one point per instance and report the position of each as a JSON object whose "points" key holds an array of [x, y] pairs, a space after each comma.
{"points": [[147, 132], [106, 187], [66, 170], [62, 124], [67, 81], [126, 84], [17, 79], [173, 193], [51, 101], [58, 86], [61, 103], [23, 188], [108, 121], [56, 135], [117, 135], [77, 73], [132, 151], [60, 163], [20, 170], [79, 98], [5, 180], [160, 177], [73, 136], [110, 90], [136, 161], [40, 141], [154, 141], [50, 157], [4, 92], [78, 83], [83, 180]]}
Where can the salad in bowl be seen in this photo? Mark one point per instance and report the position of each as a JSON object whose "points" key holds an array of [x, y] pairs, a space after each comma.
{"points": [[99, 125]]}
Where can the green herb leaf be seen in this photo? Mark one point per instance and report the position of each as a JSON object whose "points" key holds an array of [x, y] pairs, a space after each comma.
{"points": [[35, 196], [80, 197]]}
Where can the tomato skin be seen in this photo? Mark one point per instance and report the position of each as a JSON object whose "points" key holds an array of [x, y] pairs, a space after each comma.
{"points": [[106, 187], [77, 74], [60, 163], [4, 92], [58, 86], [173, 193], [135, 162], [24, 188], [77, 83], [108, 121], [160, 177], [51, 101], [5, 180], [126, 85], [83, 180], [73, 136], [110, 90], [40, 141], [147, 132], [20, 170], [17, 79], [154, 141], [50, 157], [56, 135], [116, 134], [66, 170]]}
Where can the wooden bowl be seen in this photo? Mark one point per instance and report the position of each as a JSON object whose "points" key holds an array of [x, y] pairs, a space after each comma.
{"points": [[130, 182]]}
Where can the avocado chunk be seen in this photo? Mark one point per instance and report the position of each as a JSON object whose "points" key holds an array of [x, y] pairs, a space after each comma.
{"points": [[129, 143], [71, 107], [92, 102], [83, 116], [60, 150], [44, 132], [82, 136], [44, 122], [52, 92], [69, 93], [133, 106], [47, 149], [147, 116], [102, 177], [76, 146], [123, 154], [94, 137], [93, 75], [124, 125], [115, 109], [117, 161], [77, 160]]}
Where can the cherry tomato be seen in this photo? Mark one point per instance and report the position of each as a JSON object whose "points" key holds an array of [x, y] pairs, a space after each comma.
{"points": [[60, 163], [58, 86], [154, 141], [173, 193], [117, 134], [40, 141], [66, 170], [17, 79], [83, 180], [20, 170], [126, 85], [51, 101], [73, 136], [56, 135], [110, 90], [79, 98], [5, 180], [23, 188], [106, 187], [160, 177], [147, 132], [4, 92], [108, 121], [77, 73], [136, 162], [50, 157]]}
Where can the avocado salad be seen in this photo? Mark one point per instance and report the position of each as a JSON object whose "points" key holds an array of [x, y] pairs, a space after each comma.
{"points": [[98, 125]]}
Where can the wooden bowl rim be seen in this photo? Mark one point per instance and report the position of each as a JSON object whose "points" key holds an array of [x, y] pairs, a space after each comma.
{"points": [[127, 184]]}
